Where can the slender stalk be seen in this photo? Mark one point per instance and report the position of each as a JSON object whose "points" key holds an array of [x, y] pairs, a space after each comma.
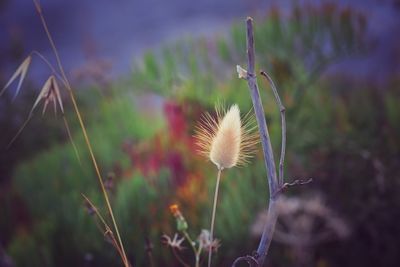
{"points": [[198, 255], [213, 215], [269, 161], [149, 250], [70, 138], [34, 52], [283, 124], [82, 125], [20, 130], [268, 231], [195, 251], [106, 231], [181, 261], [259, 110], [273, 182]]}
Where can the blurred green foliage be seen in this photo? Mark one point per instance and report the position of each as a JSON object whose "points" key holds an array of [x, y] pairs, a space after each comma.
{"points": [[333, 134]]}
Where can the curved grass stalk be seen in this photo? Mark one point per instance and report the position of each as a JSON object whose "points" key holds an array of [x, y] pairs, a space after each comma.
{"points": [[71, 139], [107, 230], [181, 261], [20, 130], [282, 111], [83, 128]]}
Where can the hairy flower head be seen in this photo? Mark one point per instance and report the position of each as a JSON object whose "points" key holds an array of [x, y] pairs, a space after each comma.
{"points": [[226, 140]]}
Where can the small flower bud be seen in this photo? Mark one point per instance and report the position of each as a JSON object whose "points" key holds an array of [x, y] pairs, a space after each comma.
{"points": [[181, 224]]}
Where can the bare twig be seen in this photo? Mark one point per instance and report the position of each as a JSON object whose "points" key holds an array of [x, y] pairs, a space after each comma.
{"points": [[269, 227], [259, 110], [283, 124], [294, 183], [105, 229], [273, 181]]}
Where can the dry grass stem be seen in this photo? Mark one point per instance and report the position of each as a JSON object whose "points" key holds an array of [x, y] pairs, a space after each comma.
{"points": [[106, 230], [83, 128]]}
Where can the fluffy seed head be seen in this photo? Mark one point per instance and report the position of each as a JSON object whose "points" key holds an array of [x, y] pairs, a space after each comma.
{"points": [[225, 140]]}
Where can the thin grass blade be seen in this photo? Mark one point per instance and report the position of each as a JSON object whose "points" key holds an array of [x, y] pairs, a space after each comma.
{"points": [[71, 139], [20, 130]]}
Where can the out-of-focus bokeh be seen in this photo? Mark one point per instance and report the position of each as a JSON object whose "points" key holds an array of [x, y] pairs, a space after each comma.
{"points": [[144, 72]]}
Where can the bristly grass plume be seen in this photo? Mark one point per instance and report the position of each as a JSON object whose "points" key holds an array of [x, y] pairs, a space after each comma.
{"points": [[227, 141]]}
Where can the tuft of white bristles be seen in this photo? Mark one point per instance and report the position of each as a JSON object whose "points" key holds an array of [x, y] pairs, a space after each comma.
{"points": [[225, 146], [226, 141]]}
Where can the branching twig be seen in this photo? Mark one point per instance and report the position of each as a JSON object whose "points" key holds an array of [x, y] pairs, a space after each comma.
{"points": [[71, 139], [283, 124], [294, 183], [273, 181], [276, 184], [259, 110]]}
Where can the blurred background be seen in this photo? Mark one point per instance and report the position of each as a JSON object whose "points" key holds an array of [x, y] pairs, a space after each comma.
{"points": [[335, 63]]}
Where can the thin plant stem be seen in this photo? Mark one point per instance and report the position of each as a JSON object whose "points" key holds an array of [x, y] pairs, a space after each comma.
{"points": [[20, 130], [106, 230], [259, 110], [34, 52], [71, 140], [269, 226], [181, 261], [198, 255], [213, 215], [150, 255], [103, 221], [149, 251], [114, 242], [273, 181], [82, 125], [283, 125], [195, 251]]}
